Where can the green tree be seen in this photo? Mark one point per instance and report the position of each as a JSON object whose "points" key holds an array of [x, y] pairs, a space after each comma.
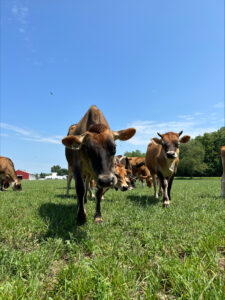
{"points": [[192, 159], [56, 169], [136, 153]]}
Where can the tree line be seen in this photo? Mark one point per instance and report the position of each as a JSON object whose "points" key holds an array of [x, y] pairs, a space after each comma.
{"points": [[199, 157]]}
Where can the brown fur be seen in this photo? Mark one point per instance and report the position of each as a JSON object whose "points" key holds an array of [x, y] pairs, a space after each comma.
{"points": [[90, 150], [141, 172], [8, 173], [159, 164]]}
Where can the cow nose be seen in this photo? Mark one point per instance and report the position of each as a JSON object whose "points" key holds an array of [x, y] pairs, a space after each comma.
{"points": [[171, 154], [106, 180], [124, 188]]}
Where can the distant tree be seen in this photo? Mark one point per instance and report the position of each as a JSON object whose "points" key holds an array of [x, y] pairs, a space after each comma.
{"points": [[42, 175], [60, 171], [63, 172], [56, 169], [192, 159], [136, 153]]}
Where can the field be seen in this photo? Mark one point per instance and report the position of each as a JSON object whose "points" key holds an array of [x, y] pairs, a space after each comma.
{"points": [[141, 251]]}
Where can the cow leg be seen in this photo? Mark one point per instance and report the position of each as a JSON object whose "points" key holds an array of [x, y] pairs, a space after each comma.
{"points": [[223, 186], [91, 188], [69, 178], [160, 189], [170, 186], [98, 215], [155, 186], [80, 189], [87, 186], [164, 184]]}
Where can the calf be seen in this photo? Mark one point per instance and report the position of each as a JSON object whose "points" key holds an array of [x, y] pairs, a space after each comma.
{"points": [[8, 174], [90, 151], [222, 153], [162, 159]]}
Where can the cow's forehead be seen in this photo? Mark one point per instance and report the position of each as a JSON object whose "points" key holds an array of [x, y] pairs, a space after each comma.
{"points": [[170, 136], [103, 139]]}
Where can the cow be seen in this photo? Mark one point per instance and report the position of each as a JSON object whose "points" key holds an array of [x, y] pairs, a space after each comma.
{"points": [[140, 171], [8, 175], [90, 151], [122, 159], [162, 159], [222, 153]]}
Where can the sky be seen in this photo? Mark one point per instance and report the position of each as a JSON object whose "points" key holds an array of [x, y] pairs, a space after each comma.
{"points": [[157, 66]]}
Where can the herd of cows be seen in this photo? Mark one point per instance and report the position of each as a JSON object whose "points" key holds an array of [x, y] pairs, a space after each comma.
{"points": [[90, 153]]}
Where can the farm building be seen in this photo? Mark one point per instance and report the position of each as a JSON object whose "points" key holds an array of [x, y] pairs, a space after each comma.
{"points": [[25, 175]]}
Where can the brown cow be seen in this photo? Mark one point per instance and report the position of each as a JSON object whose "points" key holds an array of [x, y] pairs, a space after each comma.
{"points": [[90, 150], [162, 159], [8, 174], [222, 153], [131, 179], [140, 171]]}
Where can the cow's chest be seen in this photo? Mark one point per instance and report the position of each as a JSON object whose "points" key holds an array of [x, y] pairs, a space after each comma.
{"points": [[168, 169]]}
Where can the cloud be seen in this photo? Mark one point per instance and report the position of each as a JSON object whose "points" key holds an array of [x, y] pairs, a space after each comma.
{"points": [[14, 128], [21, 12], [219, 105], [193, 125], [29, 135]]}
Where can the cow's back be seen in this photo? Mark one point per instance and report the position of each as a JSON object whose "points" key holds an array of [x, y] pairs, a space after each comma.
{"points": [[7, 170], [92, 116]]}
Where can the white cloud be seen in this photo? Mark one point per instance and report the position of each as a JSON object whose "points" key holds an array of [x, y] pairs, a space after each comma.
{"points": [[193, 125], [14, 128], [29, 135], [219, 105]]}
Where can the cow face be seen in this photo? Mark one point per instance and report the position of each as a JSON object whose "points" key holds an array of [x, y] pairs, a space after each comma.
{"points": [[123, 177], [16, 186], [170, 142], [97, 147]]}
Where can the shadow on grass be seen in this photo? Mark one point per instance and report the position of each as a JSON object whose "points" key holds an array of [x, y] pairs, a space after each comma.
{"points": [[143, 200], [61, 221]]}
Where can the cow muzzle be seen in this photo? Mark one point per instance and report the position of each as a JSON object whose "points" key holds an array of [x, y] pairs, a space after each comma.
{"points": [[106, 180], [124, 188], [171, 154]]}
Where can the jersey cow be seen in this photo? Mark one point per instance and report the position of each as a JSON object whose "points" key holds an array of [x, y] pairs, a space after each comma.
{"points": [[162, 159], [140, 171], [8, 175], [90, 150], [222, 153]]}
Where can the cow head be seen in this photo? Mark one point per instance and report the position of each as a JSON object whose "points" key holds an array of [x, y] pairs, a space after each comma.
{"points": [[97, 147], [170, 142], [16, 185], [123, 177]]}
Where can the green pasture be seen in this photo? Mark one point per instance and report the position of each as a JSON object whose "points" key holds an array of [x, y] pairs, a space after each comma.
{"points": [[141, 251]]}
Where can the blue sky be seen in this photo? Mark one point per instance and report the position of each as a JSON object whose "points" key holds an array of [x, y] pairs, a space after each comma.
{"points": [[153, 65]]}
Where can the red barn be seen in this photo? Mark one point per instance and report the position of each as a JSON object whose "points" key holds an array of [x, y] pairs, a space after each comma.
{"points": [[25, 175]]}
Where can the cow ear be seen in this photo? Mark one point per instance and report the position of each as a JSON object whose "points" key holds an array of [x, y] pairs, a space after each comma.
{"points": [[185, 139], [73, 141], [157, 141], [124, 135]]}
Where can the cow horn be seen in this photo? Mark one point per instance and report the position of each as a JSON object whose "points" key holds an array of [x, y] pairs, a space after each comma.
{"points": [[180, 132], [159, 135]]}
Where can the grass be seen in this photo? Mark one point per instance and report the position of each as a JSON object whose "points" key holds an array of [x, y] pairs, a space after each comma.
{"points": [[142, 251]]}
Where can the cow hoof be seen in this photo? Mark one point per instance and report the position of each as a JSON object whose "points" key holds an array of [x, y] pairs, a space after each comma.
{"points": [[166, 203], [98, 219], [81, 217]]}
